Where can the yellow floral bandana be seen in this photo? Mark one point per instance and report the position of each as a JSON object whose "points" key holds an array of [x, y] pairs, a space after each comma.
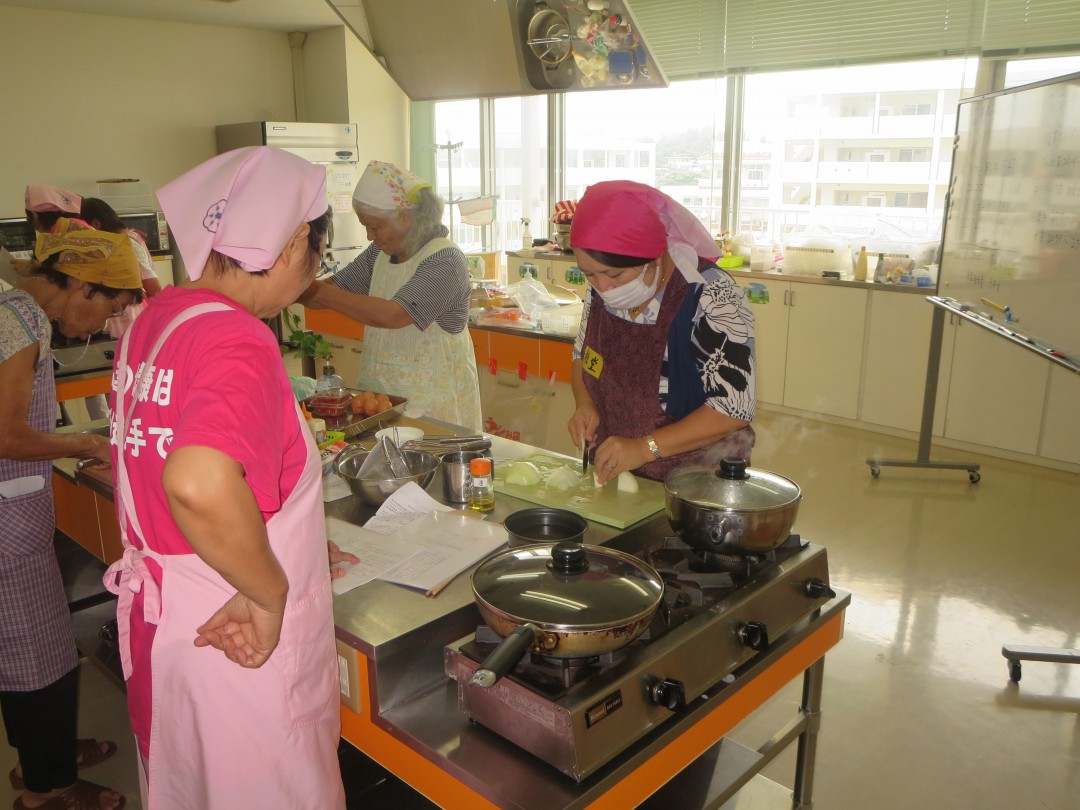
{"points": [[94, 257], [388, 188]]}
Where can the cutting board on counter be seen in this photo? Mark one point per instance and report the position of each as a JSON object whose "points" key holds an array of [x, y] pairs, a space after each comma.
{"points": [[604, 504]]}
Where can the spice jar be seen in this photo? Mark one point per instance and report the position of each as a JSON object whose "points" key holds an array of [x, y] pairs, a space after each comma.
{"points": [[481, 489]]}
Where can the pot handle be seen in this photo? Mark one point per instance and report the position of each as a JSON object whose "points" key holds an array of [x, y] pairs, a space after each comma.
{"points": [[505, 657]]}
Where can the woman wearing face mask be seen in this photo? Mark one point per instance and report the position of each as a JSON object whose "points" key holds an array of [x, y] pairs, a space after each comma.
{"points": [[663, 370]]}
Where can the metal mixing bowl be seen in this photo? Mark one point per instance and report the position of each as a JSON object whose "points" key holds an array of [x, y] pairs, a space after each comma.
{"points": [[373, 491]]}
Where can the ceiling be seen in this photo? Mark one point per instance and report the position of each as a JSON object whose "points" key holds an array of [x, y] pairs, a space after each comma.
{"points": [[273, 15]]}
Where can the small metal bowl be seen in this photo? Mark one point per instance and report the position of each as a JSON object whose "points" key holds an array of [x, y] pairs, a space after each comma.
{"points": [[544, 524], [374, 491]]}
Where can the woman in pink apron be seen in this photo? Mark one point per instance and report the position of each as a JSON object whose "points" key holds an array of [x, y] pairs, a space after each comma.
{"points": [[225, 620], [663, 370]]}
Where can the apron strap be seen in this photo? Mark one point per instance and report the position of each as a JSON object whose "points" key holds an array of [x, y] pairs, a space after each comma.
{"points": [[126, 501]]}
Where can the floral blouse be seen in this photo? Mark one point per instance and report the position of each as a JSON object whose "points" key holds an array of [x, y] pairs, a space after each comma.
{"points": [[722, 343]]}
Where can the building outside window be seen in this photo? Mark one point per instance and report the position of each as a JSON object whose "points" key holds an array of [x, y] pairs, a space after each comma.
{"points": [[836, 165]]}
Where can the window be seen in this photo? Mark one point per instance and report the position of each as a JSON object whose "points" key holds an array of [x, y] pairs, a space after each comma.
{"points": [[520, 181], [457, 149], [853, 169], [900, 201], [674, 133], [1025, 71], [920, 155]]}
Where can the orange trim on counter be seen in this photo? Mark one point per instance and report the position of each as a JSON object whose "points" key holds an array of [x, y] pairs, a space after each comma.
{"points": [[480, 347], [76, 513], [77, 389], [330, 322], [510, 351], [657, 771], [398, 758], [637, 786], [556, 356]]}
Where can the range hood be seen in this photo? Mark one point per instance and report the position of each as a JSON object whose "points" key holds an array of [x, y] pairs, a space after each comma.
{"points": [[436, 49]]}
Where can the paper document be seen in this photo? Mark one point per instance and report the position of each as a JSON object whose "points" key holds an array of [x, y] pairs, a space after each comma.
{"points": [[451, 542], [377, 553], [407, 504], [334, 487]]}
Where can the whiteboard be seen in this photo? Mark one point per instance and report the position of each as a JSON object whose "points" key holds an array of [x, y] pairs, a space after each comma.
{"points": [[1012, 228]]}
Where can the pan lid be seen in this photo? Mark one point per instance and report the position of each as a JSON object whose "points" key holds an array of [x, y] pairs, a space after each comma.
{"points": [[568, 585], [732, 486]]}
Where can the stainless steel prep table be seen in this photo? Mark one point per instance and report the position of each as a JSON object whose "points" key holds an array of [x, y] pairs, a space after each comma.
{"points": [[401, 710]]}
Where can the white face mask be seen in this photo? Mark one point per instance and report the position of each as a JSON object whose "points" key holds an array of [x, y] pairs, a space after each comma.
{"points": [[632, 293]]}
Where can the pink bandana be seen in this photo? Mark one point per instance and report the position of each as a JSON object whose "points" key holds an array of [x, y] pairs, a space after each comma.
{"points": [[632, 219], [244, 204], [52, 198]]}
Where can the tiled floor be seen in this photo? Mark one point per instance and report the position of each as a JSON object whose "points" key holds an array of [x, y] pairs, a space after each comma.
{"points": [[918, 709]]}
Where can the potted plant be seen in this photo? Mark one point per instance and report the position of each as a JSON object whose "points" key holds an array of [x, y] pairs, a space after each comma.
{"points": [[307, 345]]}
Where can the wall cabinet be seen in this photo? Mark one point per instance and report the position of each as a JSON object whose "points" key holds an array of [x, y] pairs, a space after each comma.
{"points": [[897, 348], [809, 344], [561, 270], [87, 518]]}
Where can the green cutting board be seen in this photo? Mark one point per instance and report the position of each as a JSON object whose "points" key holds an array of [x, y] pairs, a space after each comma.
{"points": [[604, 504]]}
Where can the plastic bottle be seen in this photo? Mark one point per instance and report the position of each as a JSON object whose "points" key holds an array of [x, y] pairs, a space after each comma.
{"points": [[329, 381], [526, 236], [861, 265], [481, 490], [880, 271]]}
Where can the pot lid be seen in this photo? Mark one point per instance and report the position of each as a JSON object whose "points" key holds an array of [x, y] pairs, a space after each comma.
{"points": [[568, 585], [732, 486]]}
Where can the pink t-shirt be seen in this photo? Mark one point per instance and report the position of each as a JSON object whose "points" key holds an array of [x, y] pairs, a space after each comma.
{"points": [[217, 382]]}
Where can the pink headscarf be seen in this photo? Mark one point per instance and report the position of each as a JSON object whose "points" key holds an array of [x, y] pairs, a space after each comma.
{"points": [[632, 219], [244, 204], [52, 198]]}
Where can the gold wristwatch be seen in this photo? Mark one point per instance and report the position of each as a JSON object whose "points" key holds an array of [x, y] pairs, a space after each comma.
{"points": [[649, 440]]}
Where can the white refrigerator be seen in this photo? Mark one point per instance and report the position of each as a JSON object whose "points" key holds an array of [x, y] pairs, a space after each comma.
{"points": [[334, 146]]}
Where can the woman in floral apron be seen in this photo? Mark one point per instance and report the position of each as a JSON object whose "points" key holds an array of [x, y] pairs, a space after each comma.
{"points": [[663, 369], [80, 279], [410, 288], [225, 618]]}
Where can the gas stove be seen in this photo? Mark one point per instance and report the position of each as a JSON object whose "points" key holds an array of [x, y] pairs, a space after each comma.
{"points": [[719, 611]]}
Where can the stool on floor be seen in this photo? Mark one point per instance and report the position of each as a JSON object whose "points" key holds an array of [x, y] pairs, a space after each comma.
{"points": [[1015, 653]]}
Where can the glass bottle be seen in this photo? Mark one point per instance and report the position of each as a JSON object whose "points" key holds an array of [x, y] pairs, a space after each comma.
{"points": [[329, 381], [481, 490]]}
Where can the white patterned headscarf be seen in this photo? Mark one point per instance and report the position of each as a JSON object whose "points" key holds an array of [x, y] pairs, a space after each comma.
{"points": [[387, 187]]}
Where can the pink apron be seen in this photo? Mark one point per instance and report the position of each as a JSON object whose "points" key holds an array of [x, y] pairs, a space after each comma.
{"points": [[222, 736]]}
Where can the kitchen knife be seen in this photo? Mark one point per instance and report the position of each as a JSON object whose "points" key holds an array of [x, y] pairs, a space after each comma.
{"points": [[584, 456]]}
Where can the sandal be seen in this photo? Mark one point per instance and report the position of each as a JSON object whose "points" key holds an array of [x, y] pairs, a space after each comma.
{"points": [[88, 754], [80, 796]]}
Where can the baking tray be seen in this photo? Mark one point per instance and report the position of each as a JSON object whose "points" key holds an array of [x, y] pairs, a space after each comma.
{"points": [[354, 424]]}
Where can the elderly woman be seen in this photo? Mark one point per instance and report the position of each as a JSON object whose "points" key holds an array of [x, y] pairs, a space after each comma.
{"points": [[225, 617], [663, 369], [80, 279], [410, 288]]}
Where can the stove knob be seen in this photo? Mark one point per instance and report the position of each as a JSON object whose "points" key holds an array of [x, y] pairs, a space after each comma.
{"points": [[816, 588], [754, 635], [669, 693], [109, 354]]}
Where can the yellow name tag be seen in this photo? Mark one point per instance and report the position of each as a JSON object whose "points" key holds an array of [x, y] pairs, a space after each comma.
{"points": [[592, 362]]}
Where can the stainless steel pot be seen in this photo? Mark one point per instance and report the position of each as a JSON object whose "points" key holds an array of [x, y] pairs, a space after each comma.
{"points": [[565, 600], [732, 509]]}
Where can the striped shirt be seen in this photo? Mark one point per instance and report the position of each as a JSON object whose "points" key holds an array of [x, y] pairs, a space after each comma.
{"points": [[438, 292]]}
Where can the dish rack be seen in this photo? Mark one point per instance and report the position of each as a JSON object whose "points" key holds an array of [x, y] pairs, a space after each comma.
{"points": [[125, 196]]}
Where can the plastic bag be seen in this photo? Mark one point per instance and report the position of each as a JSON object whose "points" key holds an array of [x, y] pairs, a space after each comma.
{"points": [[532, 298]]}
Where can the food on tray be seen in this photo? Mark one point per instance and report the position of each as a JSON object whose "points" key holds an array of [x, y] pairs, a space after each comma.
{"points": [[523, 473], [368, 403], [330, 403]]}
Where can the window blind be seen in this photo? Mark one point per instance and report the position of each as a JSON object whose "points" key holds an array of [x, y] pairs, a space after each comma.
{"points": [[710, 37]]}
